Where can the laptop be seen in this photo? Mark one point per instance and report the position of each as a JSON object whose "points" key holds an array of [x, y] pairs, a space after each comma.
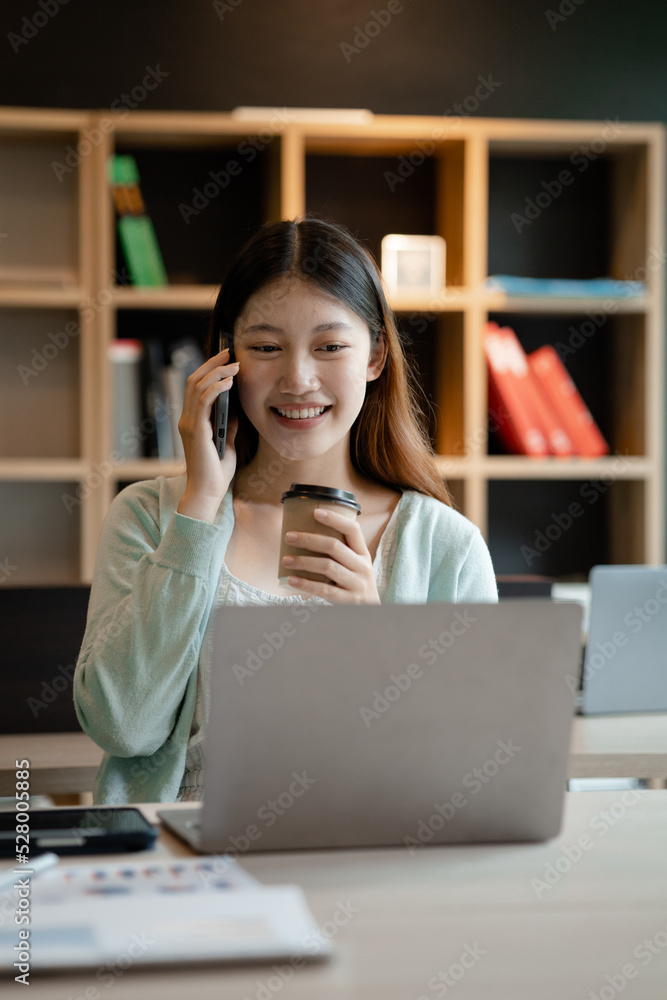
{"points": [[625, 666], [392, 725]]}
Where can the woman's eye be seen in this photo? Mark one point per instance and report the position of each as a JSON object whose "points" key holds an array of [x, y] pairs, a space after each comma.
{"points": [[265, 348], [333, 348]]}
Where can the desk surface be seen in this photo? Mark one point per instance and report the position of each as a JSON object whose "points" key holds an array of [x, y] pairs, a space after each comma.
{"points": [[617, 746], [471, 913]]}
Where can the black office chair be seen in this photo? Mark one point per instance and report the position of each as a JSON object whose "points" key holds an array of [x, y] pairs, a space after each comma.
{"points": [[41, 629]]}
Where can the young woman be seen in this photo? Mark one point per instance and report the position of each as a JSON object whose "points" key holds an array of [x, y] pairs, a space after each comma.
{"points": [[322, 395]]}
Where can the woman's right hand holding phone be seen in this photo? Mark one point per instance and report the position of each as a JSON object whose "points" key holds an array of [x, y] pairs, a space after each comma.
{"points": [[208, 477]]}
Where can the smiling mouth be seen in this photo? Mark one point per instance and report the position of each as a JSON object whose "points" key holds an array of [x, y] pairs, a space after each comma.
{"points": [[301, 414]]}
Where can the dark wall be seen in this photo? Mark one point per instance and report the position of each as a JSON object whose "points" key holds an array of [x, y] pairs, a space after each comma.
{"points": [[604, 59]]}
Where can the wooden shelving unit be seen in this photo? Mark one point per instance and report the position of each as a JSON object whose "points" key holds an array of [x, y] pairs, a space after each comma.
{"points": [[58, 266]]}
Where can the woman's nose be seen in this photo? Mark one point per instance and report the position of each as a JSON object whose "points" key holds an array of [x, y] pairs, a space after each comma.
{"points": [[298, 377]]}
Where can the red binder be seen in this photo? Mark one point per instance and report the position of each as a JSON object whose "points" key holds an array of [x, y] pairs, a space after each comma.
{"points": [[552, 377], [518, 422]]}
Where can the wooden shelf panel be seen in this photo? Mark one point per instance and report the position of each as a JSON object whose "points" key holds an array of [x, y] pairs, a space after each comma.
{"points": [[34, 470], [522, 467], [171, 297], [41, 294]]}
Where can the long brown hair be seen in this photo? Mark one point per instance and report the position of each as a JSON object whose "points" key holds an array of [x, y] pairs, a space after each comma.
{"points": [[388, 440]]}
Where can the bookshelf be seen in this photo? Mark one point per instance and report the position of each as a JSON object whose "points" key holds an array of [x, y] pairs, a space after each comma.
{"points": [[466, 180]]}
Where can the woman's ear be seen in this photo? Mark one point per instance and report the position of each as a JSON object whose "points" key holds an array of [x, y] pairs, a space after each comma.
{"points": [[378, 358]]}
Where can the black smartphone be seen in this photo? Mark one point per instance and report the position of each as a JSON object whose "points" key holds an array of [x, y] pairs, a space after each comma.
{"points": [[220, 413], [91, 830]]}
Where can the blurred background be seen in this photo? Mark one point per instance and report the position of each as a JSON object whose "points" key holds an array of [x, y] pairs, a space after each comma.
{"points": [[571, 60]]}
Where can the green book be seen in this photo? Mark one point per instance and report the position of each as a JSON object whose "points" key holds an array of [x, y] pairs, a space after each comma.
{"points": [[137, 234]]}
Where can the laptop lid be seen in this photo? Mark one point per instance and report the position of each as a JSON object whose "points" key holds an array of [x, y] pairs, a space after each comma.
{"points": [[625, 667], [342, 726]]}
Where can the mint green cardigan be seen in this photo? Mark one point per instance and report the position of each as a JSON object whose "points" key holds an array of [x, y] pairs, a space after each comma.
{"points": [[153, 592]]}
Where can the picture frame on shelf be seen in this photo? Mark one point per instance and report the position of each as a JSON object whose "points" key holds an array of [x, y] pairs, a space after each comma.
{"points": [[413, 265]]}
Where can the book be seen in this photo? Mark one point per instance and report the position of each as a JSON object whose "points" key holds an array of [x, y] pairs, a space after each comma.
{"points": [[518, 424], [185, 357], [565, 287], [125, 358], [162, 911], [156, 424], [555, 382], [137, 235]]}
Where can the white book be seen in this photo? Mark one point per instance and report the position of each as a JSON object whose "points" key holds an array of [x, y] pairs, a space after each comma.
{"points": [[161, 912]]}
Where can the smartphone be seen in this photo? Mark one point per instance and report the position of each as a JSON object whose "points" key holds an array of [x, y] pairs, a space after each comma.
{"points": [[93, 830], [220, 414]]}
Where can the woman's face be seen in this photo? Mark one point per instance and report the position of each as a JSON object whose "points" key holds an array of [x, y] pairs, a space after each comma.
{"points": [[305, 359]]}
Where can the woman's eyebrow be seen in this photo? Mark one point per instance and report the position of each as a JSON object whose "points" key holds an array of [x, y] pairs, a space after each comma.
{"points": [[320, 328]]}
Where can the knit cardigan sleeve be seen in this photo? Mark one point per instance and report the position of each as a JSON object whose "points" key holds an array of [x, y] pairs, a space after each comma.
{"points": [[153, 588]]}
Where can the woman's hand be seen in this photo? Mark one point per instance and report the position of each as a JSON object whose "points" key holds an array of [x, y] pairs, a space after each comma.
{"points": [[208, 477], [349, 565]]}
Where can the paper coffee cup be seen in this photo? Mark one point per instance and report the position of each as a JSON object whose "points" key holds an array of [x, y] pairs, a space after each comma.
{"points": [[299, 504]]}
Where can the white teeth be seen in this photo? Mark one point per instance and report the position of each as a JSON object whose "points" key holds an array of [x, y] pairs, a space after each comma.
{"points": [[302, 414]]}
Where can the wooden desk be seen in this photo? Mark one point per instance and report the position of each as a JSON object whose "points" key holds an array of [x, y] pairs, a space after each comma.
{"points": [[619, 746], [60, 763], [415, 918]]}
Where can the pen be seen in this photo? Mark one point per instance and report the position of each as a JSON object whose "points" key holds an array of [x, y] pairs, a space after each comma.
{"points": [[41, 863]]}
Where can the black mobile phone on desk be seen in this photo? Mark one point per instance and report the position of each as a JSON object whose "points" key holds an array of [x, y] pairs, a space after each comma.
{"points": [[220, 413], [92, 830]]}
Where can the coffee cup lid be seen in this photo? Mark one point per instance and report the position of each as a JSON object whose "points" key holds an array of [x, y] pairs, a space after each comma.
{"points": [[305, 491]]}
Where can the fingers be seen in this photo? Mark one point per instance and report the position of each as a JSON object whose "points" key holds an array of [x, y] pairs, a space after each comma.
{"points": [[349, 529], [347, 564], [204, 383], [328, 592]]}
